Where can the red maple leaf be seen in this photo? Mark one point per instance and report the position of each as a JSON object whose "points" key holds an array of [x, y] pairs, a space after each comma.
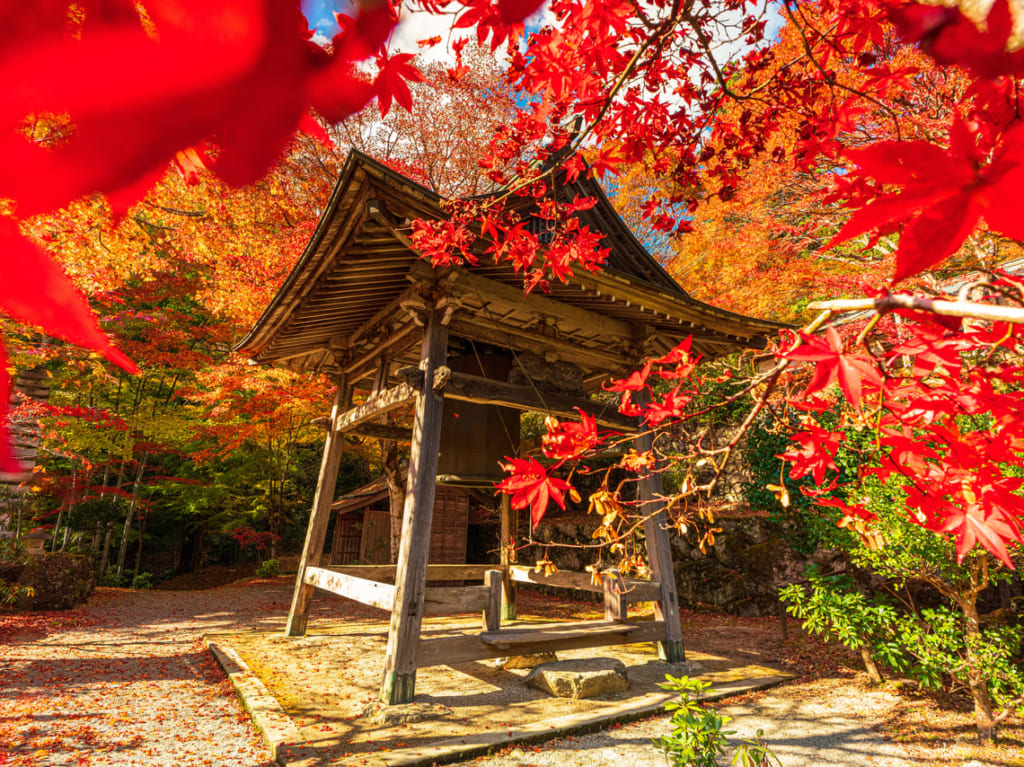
{"points": [[567, 440], [945, 193], [390, 84], [833, 363], [673, 405], [949, 37], [211, 71], [815, 455], [34, 290], [530, 485], [681, 353], [981, 523], [636, 380]]}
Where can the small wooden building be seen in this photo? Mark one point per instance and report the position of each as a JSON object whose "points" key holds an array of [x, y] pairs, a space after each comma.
{"points": [[362, 526], [463, 351]]}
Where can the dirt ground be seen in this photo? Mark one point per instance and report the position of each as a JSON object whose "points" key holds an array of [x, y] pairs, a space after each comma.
{"points": [[127, 681], [328, 682]]}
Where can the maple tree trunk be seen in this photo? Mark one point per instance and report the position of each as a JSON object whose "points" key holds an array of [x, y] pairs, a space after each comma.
{"points": [[122, 552], [191, 557], [138, 549], [99, 525], [56, 527], [984, 715], [874, 674], [105, 558], [396, 493], [65, 506]]}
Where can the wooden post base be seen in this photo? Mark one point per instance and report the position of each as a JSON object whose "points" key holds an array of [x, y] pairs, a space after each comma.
{"points": [[672, 651], [398, 688], [296, 626]]}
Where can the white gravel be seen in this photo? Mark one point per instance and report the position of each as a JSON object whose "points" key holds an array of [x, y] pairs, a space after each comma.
{"points": [[808, 733]]}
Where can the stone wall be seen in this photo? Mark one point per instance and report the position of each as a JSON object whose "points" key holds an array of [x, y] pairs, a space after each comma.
{"points": [[740, 574]]}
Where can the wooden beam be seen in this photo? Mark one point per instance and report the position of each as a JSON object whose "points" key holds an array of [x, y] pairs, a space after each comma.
{"points": [[366, 592], [434, 572], [385, 314], [507, 297], [509, 531], [455, 600], [509, 337], [513, 637], [375, 406], [470, 388], [659, 551], [635, 590], [382, 431], [399, 682], [492, 610], [312, 549], [614, 596], [445, 651], [392, 346], [677, 307]]}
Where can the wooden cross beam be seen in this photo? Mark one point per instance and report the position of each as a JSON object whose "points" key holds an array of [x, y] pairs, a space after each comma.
{"points": [[375, 406], [470, 388], [485, 391]]}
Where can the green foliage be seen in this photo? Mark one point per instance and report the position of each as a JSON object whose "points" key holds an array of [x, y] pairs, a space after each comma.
{"points": [[933, 646], [902, 550], [14, 593], [111, 579], [13, 554], [269, 568], [143, 581], [697, 738], [804, 526], [831, 607]]}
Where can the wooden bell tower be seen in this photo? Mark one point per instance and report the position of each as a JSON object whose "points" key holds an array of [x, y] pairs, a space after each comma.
{"points": [[445, 345]]}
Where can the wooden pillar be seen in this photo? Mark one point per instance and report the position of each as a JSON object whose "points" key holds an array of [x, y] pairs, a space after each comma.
{"points": [[312, 549], [614, 598], [492, 615], [399, 683], [509, 530], [659, 555]]}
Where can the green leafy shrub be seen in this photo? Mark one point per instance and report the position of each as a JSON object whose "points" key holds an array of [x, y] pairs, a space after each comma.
{"points": [[269, 568], [143, 581], [13, 559], [58, 581], [111, 579], [927, 626], [697, 738], [936, 647], [831, 607], [13, 593]]}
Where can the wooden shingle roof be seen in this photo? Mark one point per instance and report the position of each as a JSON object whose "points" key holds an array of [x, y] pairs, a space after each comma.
{"points": [[343, 305]]}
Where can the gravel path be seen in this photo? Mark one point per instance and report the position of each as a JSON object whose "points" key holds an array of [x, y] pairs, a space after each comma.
{"points": [[126, 681], [812, 732]]}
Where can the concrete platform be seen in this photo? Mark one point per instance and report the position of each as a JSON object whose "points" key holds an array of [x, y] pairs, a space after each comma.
{"points": [[314, 697]]}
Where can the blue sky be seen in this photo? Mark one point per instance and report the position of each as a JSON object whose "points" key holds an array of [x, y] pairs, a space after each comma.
{"points": [[320, 14]]}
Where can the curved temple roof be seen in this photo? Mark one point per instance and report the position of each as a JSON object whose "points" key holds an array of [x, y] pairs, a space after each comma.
{"points": [[344, 305]]}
